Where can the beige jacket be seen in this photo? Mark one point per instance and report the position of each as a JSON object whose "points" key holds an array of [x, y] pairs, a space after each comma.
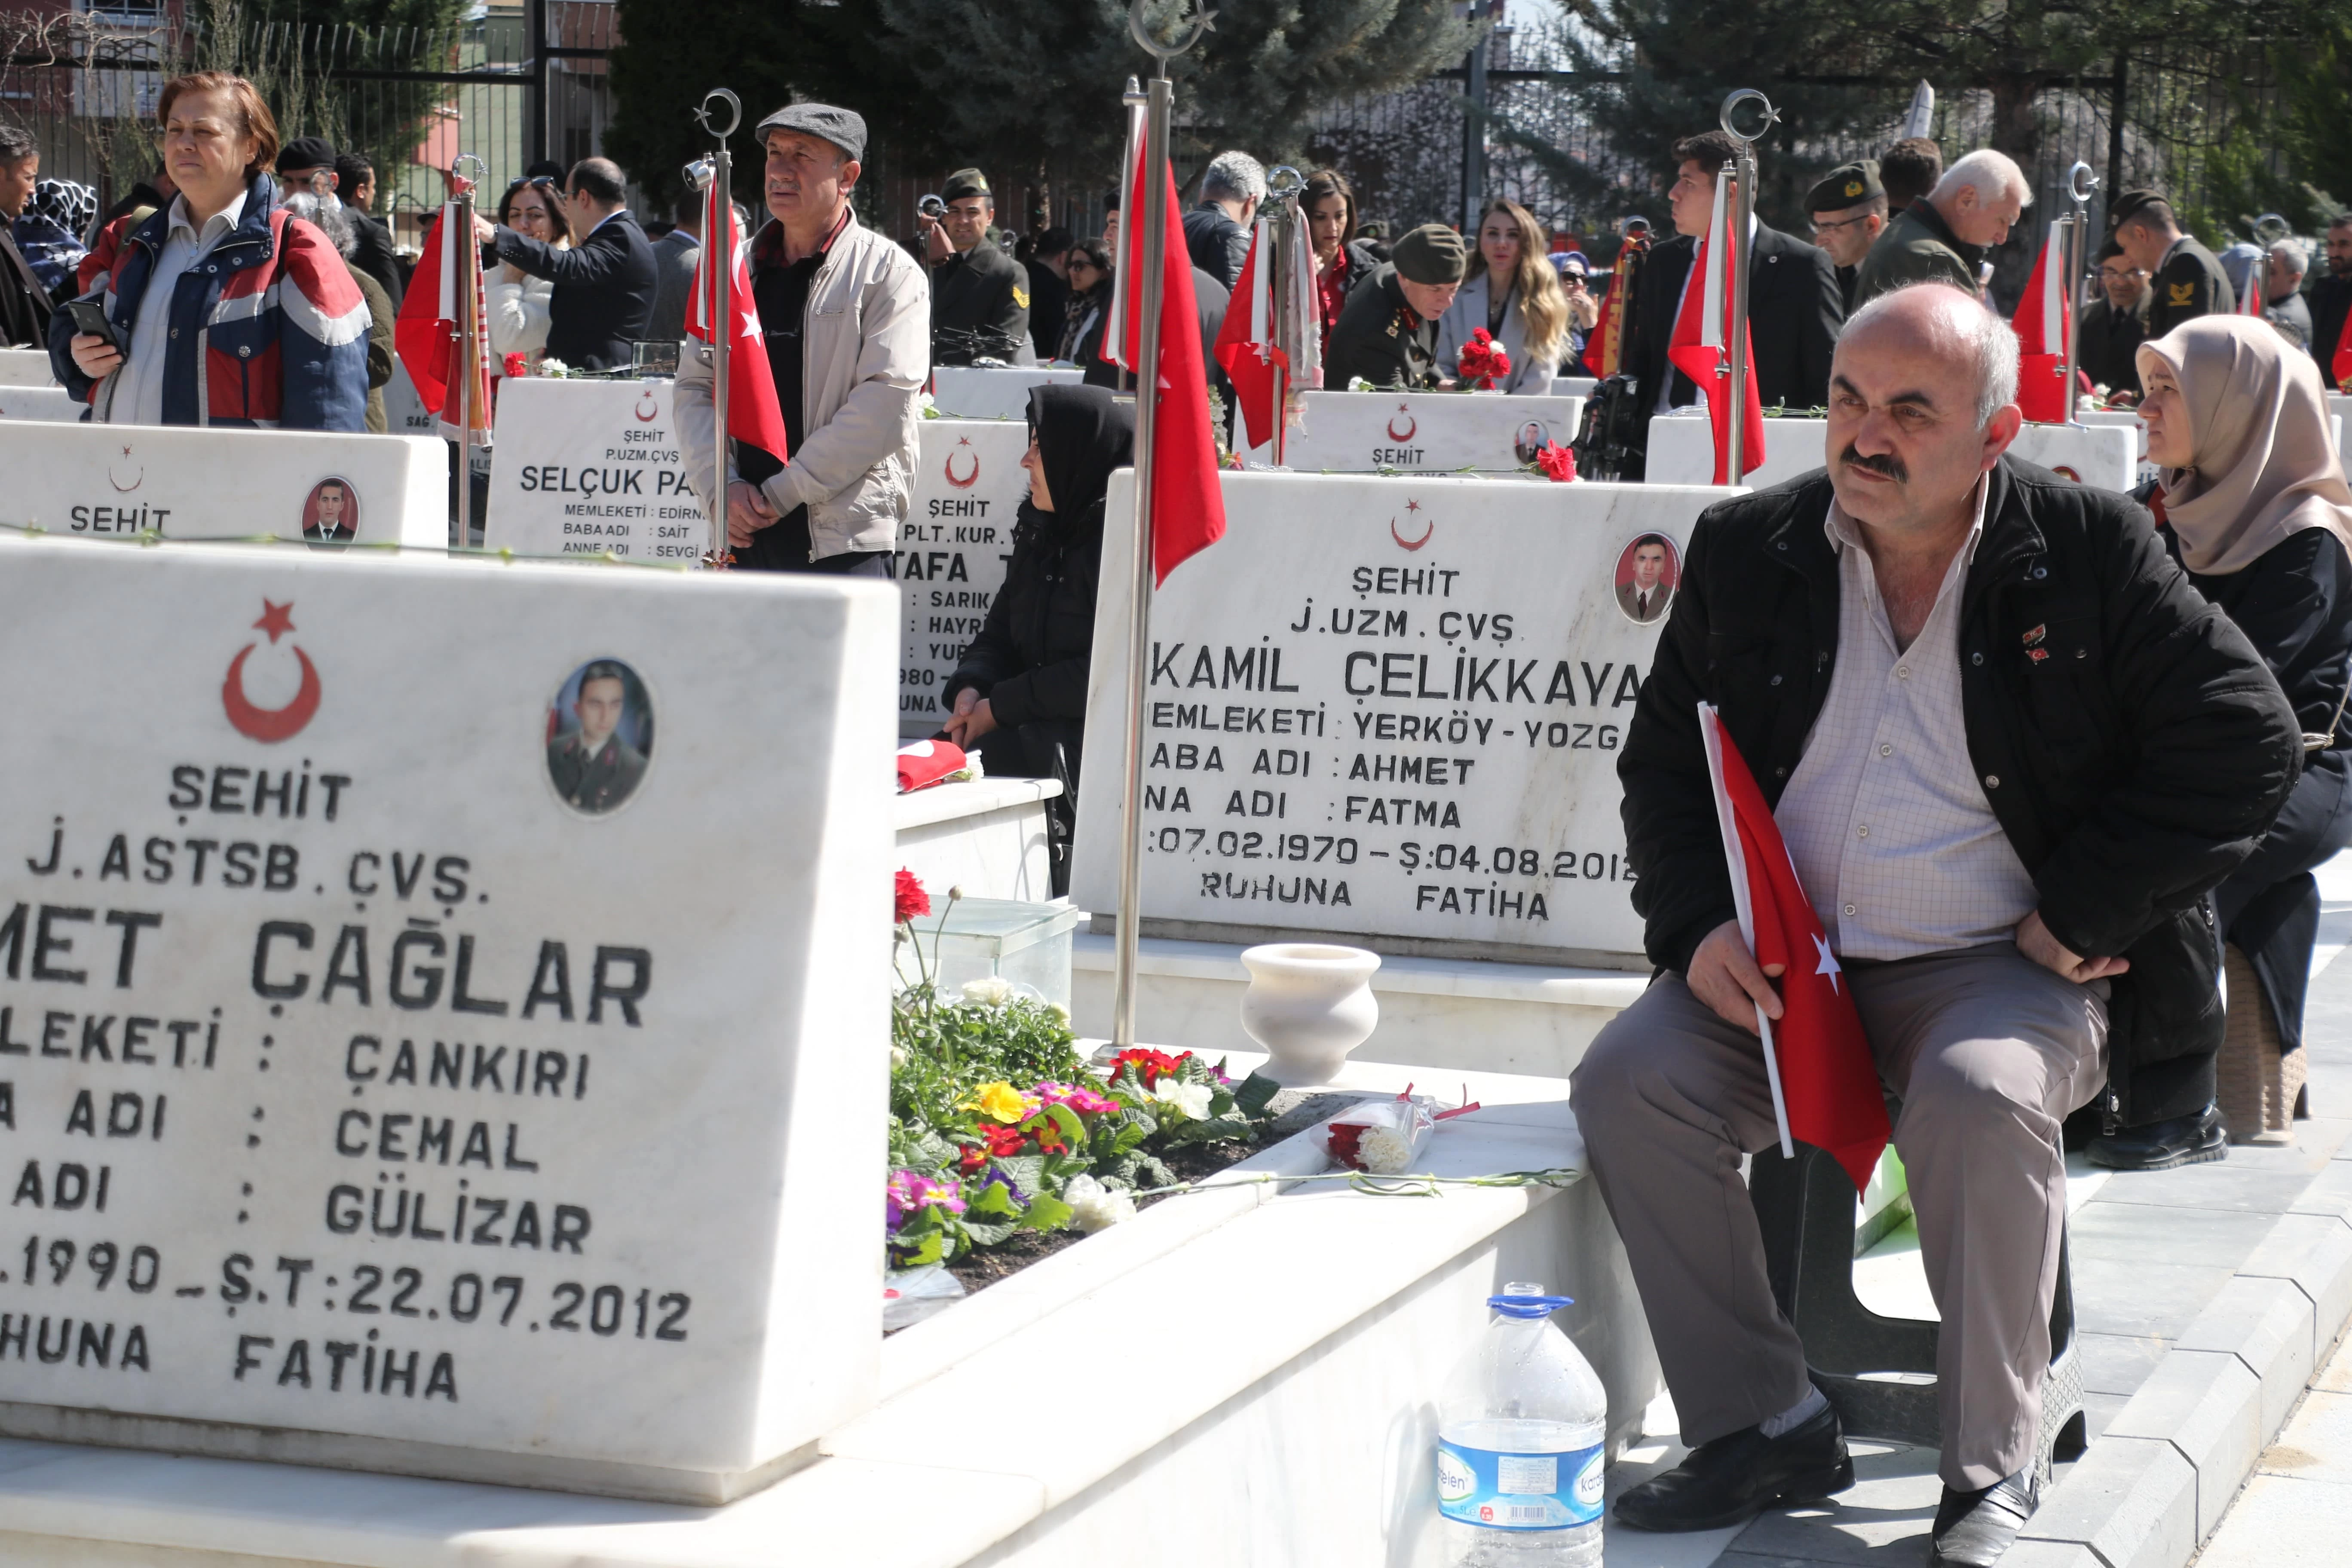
{"points": [[866, 351]]}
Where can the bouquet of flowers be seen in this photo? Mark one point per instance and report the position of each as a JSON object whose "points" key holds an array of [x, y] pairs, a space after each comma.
{"points": [[1483, 363], [1385, 1137]]}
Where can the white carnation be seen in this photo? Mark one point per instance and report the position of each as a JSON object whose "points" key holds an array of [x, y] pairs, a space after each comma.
{"points": [[991, 991], [898, 1057], [1094, 1206], [1385, 1151], [1188, 1100]]}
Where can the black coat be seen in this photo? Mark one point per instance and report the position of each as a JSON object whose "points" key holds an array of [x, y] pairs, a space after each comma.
{"points": [[2331, 302], [1032, 658], [1379, 338], [1209, 301], [1049, 300], [2132, 769], [375, 255], [1217, 245], [1794, 313], [2111, 341], [980, 306], [603, 298], [2189, 284], [25, 306], [2295, 605]]}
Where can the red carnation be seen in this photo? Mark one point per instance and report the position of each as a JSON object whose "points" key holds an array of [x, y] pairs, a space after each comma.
{"points": [[1483, 362], [1557, 461], [912, 900]]}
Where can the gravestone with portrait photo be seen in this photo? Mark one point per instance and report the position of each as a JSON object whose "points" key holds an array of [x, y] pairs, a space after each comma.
{"points": [[442, 1004], [1389, 713]]}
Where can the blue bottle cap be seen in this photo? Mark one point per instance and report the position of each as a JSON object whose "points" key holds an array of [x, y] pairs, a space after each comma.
{"points": [[1529, 1306]]}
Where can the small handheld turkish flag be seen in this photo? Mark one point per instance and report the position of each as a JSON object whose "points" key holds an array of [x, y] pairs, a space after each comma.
{"points": [[1824, 1083]]}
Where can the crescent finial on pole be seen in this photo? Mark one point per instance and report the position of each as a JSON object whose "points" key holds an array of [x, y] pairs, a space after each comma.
{"points": [[733, 105], [1205, 21]]}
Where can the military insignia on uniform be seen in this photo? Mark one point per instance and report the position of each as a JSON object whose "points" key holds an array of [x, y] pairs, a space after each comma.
{"points": [[1021, 296], [2033, 639], [1853, 187], [2037, 653], [2180, 293]]}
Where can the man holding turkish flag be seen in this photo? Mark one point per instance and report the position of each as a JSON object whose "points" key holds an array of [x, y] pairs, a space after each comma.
{"points": [[2000, 751], [1699, 346]]}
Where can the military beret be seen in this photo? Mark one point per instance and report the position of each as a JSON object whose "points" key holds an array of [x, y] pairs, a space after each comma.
{"points": [[305, 152], [1432, 254], [1847, 185], [966, 183], [2127, 206], [843, 128]]}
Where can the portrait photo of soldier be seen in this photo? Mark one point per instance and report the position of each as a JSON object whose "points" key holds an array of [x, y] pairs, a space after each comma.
{"points": [[1532, 438], [1647, 572], [599, 736], [331, 515]]}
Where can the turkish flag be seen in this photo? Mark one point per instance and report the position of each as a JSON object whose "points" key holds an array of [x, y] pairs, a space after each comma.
{"points": [[425, 332], [1245, 345], [1188, 508], [2341, 366], [1702, 326], [1824, 1083], [753, 413], [927, 763], [2044, 323]]}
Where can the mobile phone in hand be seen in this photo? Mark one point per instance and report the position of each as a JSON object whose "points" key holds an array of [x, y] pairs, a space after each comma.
{"points": [[91, 316]]}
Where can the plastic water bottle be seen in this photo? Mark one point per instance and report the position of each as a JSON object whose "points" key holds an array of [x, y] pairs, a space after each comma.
{"points": [[1523, 1443]]}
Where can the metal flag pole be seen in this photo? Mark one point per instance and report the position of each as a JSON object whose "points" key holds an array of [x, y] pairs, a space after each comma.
{"points": [[1743, 214], [2080, 182], [465, 266], [1150, 190], [1283, 185], [714, 178]]}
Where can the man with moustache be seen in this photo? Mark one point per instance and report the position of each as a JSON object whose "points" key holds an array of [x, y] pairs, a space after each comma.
{"points": [[847, 318], [2010, 749]]}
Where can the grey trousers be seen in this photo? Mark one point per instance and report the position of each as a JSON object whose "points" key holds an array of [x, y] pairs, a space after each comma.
{"points": [[1988, 1050]]}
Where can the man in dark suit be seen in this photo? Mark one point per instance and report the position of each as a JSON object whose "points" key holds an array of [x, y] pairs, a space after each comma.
{"points": [[355, 187], [603, 297], [1794, 305]]}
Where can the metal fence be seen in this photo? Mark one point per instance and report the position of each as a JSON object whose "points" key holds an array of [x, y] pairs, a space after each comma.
{"points": [[410, 99]]}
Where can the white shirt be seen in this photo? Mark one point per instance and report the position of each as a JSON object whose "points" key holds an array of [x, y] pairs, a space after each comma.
{"points": [[137, 394], [1884, 816]]}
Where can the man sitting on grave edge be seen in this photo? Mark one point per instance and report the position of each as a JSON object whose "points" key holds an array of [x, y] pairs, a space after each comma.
{"points": [[847, 314], [2012, 748]]}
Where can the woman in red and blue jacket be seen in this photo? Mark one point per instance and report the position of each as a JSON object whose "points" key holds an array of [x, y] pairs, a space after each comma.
{"points": [[262, 327]]}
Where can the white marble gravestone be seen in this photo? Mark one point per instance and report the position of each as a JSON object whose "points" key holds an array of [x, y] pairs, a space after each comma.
{"points": [[967, 391], [26, 367], [1427, 432], [364, 1102], [405, 413], [116, 480], [1682, 451], [588, 468], [952, 552], [53, 405], [1385, 710], [2340, 406]]}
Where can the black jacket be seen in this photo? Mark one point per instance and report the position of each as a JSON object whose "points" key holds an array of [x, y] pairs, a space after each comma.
{"points": [[1794, 313], [2331, 302], [1032, 656], [25, 306], [2111, 340], [980, 307], [1217, 244], [1379, 338], [1049, 303], [2189, 284], [375, 254], [1209, 301], [603, 298], [2132, 769]]}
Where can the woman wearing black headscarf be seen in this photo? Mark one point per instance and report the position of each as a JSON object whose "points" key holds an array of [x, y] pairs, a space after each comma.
{"points": [[1019, 696]]}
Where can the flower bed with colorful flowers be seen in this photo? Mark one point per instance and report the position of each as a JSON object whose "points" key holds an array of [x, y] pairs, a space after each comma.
{"points": [[999, 1127]]}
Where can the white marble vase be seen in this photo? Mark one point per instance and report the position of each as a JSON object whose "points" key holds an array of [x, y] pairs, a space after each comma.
{"points": [[1308, 1004]]}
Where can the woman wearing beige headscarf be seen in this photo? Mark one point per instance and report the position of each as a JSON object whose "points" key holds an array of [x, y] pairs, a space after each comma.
{"points": [[2252, 502]]}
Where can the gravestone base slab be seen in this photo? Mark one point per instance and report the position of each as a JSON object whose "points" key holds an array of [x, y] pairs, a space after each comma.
{"points": [[1450, 1013], [987, 837]]}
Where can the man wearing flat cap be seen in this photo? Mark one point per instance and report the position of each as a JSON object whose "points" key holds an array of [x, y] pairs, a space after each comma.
{"points": [[1387, 331], [1849, 210], [980, 296], [2185, 280], [846, 313]]}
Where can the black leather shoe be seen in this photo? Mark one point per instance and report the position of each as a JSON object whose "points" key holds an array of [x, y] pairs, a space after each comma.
{"points": [[1973, 1528], [2162, 1145], [1737, 1476]]}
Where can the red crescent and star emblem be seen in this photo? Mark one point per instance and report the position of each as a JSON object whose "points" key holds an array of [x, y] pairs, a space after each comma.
{"points": [[270, 725], [2065, 472], [137, 473], [1410, 424], [971, 479], [1428, 531], [648, 409]]}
